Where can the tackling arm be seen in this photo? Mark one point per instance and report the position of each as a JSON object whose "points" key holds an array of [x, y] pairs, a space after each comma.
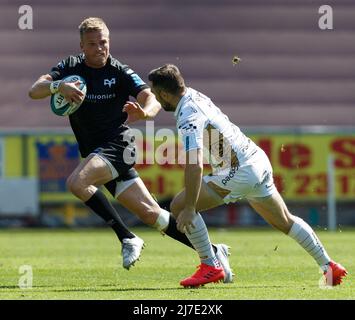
{"points": [[134, 110], [193, 178], [151, 106]]}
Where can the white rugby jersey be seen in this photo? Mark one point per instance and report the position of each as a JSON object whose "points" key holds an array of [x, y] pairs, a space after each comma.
{"points": [[202, 125]]}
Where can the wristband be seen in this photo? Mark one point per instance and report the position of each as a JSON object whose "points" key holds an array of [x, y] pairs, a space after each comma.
{"points": [[54, 86]]}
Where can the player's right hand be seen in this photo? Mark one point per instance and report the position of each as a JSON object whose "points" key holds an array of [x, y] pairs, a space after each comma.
{"points": [[184, 220], [71, 92]]}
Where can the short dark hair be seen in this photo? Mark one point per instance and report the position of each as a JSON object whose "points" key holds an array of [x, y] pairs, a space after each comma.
{"points": [[169, 78]]}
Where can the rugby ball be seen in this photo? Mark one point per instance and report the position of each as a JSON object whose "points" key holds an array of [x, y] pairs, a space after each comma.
{"points": [[62, 107]]}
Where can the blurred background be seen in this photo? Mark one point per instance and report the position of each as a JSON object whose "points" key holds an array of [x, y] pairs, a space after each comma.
{"points": [[293, 93]]}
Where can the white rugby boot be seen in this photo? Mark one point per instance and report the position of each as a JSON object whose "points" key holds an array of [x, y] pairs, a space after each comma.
{"points": [[131, 251], [222, 256]]}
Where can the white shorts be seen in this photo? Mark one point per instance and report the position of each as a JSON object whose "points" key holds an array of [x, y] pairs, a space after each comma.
{"points": [[253, 179]]}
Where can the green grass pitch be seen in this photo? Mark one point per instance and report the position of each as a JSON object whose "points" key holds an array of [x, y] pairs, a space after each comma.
{"points": [[86, 264]]}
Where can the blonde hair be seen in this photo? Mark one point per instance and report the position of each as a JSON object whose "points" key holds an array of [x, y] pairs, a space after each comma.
{"points": [[92, 24]]}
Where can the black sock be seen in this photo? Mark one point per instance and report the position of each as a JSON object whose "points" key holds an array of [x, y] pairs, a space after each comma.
{"points": [[102, 207], [174, 233]]}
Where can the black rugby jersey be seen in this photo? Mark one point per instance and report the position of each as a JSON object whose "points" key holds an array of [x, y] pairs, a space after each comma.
{"points": [[100, 117]]}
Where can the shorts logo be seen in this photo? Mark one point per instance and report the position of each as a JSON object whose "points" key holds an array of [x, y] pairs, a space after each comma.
{"points": [[266, 177], [230, 175], [109, 83]]}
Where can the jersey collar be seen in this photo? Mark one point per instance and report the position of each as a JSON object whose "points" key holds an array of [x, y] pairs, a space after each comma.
{"points": [[181, 102]]}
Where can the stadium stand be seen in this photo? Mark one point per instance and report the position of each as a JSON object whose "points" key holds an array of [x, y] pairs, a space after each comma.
{"points": [[291, 73]]}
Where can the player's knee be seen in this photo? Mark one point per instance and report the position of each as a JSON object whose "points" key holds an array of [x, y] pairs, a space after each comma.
{"points": [[74, 185], [69, 183]]}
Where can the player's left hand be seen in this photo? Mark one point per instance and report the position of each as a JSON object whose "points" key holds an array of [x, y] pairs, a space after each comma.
{"points": [[184, 220], [134, 111]]}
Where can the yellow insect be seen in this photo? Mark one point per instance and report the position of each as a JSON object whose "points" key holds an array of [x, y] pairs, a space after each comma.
{"points": [[236, 60]]}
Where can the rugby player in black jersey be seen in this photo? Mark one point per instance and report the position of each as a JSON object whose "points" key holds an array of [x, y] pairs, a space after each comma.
{"points": [[105, 141]]}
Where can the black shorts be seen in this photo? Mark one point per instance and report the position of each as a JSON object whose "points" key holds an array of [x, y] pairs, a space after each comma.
{"points": [[120, 152], [120, 155]]}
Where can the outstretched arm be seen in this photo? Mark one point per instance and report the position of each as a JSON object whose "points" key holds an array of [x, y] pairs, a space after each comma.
{"points": [[146, 107]]}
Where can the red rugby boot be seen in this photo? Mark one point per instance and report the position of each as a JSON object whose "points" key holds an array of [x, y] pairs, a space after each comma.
{"points": [[335, 273], [204, 274]]}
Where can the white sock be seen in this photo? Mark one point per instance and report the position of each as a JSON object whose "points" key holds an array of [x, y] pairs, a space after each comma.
{"points": [[305, 236], [201, 242]]}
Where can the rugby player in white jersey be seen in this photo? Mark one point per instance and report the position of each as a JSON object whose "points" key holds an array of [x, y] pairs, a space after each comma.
{"points": [[240, 169]]}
